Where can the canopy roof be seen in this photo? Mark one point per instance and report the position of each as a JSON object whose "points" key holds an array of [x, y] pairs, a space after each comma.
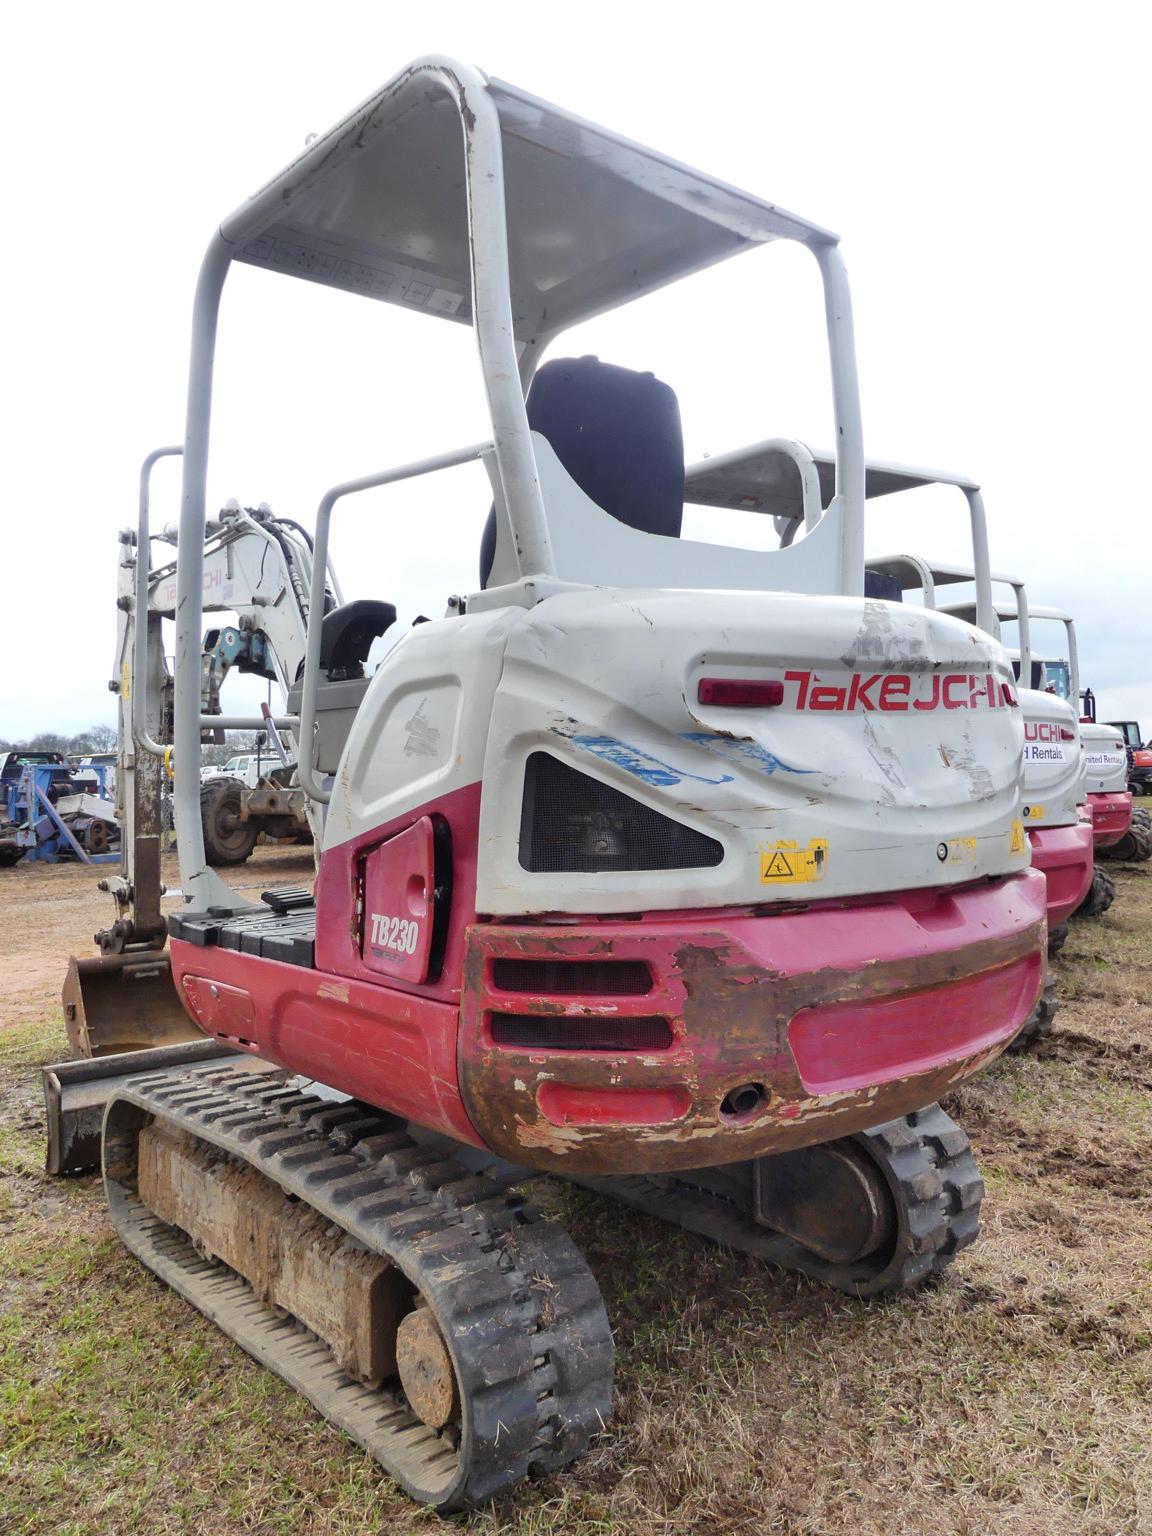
{"points": [[967, 611], [905, 569], [764, 478], [1037, 611], [379, 205]]}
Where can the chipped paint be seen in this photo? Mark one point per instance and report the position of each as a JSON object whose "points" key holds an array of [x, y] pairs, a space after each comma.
{"points": [[730, 1009]]}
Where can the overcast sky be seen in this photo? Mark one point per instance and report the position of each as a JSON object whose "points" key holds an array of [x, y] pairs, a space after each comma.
{"points": [[986, 166]]}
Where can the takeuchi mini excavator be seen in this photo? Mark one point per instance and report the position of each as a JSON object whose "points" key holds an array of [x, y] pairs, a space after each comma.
{"points": [[684, 871], [1119, 830], [763, 476], [1055, 793]]}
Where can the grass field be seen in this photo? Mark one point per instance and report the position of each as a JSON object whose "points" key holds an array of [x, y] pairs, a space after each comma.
{"points": [[1015, 1397]]}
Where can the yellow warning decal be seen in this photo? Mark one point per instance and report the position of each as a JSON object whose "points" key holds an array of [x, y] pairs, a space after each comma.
{"points": [[1033, 813], [1019, 839], [125, 680], [962, 850], [788, 864]]}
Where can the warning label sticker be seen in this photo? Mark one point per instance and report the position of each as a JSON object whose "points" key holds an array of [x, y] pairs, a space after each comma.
{"points": [[787, 863], [962, 850], [1018, 841], [1033, 813]]}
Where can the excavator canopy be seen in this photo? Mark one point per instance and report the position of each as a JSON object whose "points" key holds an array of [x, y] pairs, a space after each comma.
{"points": [[764, 477], [378, 206]]}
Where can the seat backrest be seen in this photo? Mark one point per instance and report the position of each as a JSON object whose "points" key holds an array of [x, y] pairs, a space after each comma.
{"points": [[879, 585], [617, 433], [347, 633]]}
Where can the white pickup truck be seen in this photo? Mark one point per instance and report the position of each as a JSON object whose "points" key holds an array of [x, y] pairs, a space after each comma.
{"points": [[247, 768]]}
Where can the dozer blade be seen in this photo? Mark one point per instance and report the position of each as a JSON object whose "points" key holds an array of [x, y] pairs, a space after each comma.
{"points": [[76, 1093], [118, 1003]]}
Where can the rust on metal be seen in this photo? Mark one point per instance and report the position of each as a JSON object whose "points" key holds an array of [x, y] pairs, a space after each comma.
{"points": [[425, 1369], [124, 1002], [730, 1018], [291, 1255]]}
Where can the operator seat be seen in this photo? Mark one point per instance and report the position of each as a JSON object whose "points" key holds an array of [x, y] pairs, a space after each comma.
{"points": [[617, 433]]}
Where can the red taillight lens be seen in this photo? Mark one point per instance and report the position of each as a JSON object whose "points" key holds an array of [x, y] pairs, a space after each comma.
{"points": [[739, 692], [1066, 734]]}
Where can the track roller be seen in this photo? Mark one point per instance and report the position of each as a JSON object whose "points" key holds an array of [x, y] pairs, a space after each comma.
{"points": [[427, 1311], [868, 1214]]}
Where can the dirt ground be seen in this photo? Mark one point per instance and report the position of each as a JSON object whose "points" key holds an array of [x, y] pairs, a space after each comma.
{"points": [[1013, 1397]]}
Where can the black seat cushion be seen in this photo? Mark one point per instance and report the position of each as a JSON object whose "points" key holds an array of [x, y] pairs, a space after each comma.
{"points": [[617, 433]]}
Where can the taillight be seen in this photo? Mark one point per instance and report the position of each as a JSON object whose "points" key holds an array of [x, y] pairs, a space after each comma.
{"points": [[740, 692], [1066, 734]]}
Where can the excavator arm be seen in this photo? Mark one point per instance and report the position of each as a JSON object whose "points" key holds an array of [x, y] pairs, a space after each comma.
{"points": [[258, 571]]}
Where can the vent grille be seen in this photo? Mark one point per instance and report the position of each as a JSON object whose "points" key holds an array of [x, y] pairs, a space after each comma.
{"points": [[571, 978], [534, 1031], [575, 824]]}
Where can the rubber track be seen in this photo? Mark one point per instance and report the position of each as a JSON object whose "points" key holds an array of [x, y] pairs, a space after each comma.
{"points": [[517, 1305], [928, 1163], [1101, 894], [1135, 847], [1038, 1024]]}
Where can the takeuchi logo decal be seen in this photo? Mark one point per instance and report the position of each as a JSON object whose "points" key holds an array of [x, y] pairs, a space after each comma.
{"points": [[900, 692]]}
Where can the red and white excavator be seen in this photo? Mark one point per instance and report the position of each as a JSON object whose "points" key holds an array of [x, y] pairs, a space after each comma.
{"points": [[770, 476], [689, 872], [1119, 830]]}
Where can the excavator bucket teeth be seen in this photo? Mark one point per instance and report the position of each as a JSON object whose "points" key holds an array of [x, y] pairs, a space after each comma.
{"points": [[118, 1003]]}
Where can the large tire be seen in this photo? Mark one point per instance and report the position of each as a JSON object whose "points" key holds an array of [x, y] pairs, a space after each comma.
{"points": [[1057, 938], [1101, 894], [227, 839], [1135, 847], [1142, 815]]}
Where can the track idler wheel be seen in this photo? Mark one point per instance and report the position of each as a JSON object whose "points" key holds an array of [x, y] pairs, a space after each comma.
{"points": [[425, 1368], [1101, 894], [882, 1211]]}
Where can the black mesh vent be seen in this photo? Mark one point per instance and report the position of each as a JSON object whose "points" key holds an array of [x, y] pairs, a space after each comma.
{"points": [[571, 978], [560, 1033], [574, 824]]}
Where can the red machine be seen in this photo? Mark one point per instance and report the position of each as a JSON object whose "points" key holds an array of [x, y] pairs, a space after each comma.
{"points": [[685, 871]]}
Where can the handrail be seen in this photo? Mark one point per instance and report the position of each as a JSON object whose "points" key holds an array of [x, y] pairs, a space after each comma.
{"points": [[139, 701], [309, 783]]}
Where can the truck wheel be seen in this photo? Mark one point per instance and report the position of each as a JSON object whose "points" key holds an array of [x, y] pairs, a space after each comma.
{"points": [[227, 839]]}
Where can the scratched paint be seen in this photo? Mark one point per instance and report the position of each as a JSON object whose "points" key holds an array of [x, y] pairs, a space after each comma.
{"points": [[641, 764], [750, 753]]}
